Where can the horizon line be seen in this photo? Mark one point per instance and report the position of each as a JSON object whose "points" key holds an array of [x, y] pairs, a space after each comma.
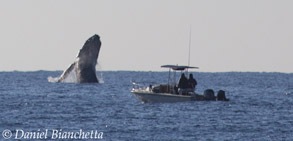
{"points": [[152, 71]]}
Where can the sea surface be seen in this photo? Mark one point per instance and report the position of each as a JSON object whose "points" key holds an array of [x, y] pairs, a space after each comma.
{"points": [[260, 107]]}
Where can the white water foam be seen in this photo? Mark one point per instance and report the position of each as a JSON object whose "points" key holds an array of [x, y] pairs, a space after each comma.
{"points": [[52, 79]]}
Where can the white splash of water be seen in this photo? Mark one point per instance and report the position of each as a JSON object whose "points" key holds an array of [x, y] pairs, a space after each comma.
{"points": [[71, 77], [99, 73], [53, 79], [100, 77]]}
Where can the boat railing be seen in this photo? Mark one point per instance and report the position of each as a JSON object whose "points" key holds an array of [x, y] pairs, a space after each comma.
{"points": [[154, 87], [142, 85]]}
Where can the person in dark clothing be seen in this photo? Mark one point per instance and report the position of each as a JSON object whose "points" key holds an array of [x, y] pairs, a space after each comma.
{"points": [[191, 82], [183, 82]]}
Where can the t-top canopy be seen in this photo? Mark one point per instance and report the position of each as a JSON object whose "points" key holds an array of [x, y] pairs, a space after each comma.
{"points": [[176, 67]]}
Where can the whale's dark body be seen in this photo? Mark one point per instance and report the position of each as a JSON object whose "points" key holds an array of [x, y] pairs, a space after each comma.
{"points": [[84, 66]]}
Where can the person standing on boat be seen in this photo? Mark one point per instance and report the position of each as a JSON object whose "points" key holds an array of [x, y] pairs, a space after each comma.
{"points": [[192, 82], [182, 84]]}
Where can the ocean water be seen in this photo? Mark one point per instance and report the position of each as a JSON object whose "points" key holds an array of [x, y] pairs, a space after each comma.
{"points": [[260, 107]]}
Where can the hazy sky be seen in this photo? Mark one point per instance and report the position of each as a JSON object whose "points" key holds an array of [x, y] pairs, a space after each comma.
{"points": [[227, 35]]}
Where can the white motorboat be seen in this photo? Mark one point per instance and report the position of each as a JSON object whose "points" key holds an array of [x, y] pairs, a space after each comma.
{"points": [[169, 92]]}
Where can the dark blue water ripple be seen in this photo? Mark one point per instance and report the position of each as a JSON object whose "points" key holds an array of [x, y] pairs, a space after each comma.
{"points": [[260, 107]]}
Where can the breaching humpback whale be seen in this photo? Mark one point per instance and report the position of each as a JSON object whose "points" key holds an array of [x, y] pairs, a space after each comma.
{"points": [[84, 67]]}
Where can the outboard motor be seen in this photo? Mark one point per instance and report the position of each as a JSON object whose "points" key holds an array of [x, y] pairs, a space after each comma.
{"points": [[209, 94], [221, 96]]}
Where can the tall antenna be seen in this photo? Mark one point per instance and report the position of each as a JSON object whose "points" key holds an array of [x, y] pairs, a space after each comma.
{"points": [[189, 45]]}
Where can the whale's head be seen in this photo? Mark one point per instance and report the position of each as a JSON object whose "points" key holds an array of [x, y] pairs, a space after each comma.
{"points": [[90, 51]]}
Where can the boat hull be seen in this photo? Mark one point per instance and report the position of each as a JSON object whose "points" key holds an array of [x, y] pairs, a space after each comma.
{"points": [[148, 97]]}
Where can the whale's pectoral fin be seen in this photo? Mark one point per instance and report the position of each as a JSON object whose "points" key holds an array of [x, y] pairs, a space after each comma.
{"points": [[66, 72]]}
